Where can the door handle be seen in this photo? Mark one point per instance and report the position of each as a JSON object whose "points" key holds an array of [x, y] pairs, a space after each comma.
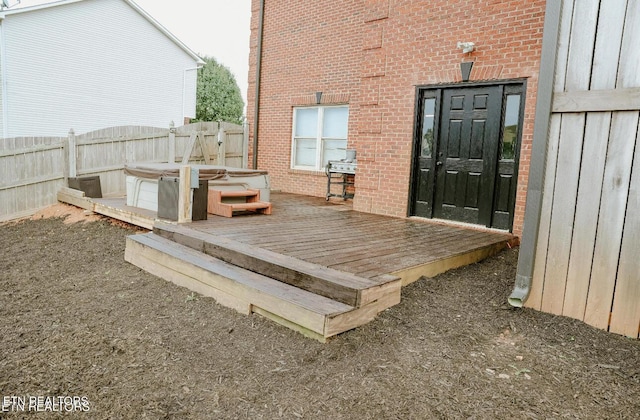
{"points": [[438, 163]]}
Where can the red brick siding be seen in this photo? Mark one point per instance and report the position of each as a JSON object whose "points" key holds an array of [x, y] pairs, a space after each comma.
{"points": [[372, 54]]}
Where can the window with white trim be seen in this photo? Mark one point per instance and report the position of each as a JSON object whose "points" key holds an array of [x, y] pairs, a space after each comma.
{"points": [[319, 135]]}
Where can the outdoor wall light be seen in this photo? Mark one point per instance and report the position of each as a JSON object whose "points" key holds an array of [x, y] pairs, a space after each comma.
{"points": [[466, 47], [318, 98]]}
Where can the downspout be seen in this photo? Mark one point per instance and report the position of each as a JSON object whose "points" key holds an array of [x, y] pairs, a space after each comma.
{"points": [[184, 90], [533, 209], [256, 110], [3, 74]]}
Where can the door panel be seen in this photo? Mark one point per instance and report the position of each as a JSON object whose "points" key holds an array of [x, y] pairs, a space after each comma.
{"points": [[467, 152], [425, 151], [453, 142], [477, 140], [508, 156], [503, 197]]}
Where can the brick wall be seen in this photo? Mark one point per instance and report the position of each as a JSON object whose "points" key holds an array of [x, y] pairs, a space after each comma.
{"points": [[372, 54]]}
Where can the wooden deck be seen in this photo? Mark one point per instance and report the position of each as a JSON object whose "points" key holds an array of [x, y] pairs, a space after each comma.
{"points": [[367, 245], [315, 266]]}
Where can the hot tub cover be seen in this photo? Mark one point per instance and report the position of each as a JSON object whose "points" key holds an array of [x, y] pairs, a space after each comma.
{"points": [[151, 170]]}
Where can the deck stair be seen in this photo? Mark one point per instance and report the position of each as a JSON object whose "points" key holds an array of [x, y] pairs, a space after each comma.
{"points": [[224, 202], [316, 301]]}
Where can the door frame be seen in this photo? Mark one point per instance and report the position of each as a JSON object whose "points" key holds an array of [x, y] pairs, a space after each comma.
{"points": [[437, 90]]}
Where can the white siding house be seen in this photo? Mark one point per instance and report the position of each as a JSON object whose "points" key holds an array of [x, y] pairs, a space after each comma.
{"points": [[90, 64]]}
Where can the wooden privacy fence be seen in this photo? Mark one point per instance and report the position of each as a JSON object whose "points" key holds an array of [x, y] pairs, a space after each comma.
{"points": [[587, 263], [33, 169]]}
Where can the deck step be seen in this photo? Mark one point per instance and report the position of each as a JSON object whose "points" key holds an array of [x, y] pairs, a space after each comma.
{"points": [[245, 291], [225, 202], [343, 287], [249, 206], [238, 193]]}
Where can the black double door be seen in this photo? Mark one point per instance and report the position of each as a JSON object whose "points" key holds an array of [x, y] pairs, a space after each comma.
{"points": [[466, 153]]}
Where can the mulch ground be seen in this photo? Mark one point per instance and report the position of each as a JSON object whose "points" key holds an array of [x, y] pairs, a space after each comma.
{"points": [[76, 320]]}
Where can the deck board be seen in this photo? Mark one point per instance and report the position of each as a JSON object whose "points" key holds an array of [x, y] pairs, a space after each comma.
{"points": [[331, 234], [362, 247], [317, 267], [334, 236], [338, 285]]}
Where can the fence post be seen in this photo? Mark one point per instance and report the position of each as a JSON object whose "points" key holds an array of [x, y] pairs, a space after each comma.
{"points": [[245, 144], [222, 146], [172, 143], [65, 156], [71, 155], [184, 195]]}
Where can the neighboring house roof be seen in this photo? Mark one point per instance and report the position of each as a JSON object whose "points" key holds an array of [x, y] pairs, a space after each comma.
{"points": [[133, 5]]}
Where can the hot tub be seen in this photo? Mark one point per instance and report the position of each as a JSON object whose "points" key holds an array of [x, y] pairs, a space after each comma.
{"points": [[142, 180]]}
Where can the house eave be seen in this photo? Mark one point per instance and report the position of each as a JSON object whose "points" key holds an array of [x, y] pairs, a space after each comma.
{"points": [[199, 61], [133, 5]]}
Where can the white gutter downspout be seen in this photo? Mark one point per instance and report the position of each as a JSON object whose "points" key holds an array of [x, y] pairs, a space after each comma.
{"points": [[3, 74], [533, 209], [184, 88], [256, 105]]}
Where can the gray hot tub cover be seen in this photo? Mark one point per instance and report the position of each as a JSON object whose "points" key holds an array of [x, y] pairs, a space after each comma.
{"points": [[152, 170]]}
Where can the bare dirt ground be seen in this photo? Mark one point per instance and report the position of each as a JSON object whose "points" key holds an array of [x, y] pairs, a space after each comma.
{"points": [[77, 320]]}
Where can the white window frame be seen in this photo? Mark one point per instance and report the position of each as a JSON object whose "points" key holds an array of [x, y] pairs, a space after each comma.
{"points": [[320, 140]]}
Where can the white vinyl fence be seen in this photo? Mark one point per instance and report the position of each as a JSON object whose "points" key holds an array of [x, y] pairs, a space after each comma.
{"points": [[33, 169]]}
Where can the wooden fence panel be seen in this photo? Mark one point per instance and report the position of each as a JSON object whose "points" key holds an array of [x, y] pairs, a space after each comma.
{"points": [[587, 263], [624, 134], [33, 169], [603, 76], [581, 45], [31, 173], [542, 246], [617, 173], [234, 150], [625, 314], [586, 216], [104, 152], [578, 76], [628, 75], [562, 212], [208, 132], [540, 264]]}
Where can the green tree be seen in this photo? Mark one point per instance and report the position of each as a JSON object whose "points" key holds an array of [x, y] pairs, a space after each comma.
{"points": [[218, 96]]}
